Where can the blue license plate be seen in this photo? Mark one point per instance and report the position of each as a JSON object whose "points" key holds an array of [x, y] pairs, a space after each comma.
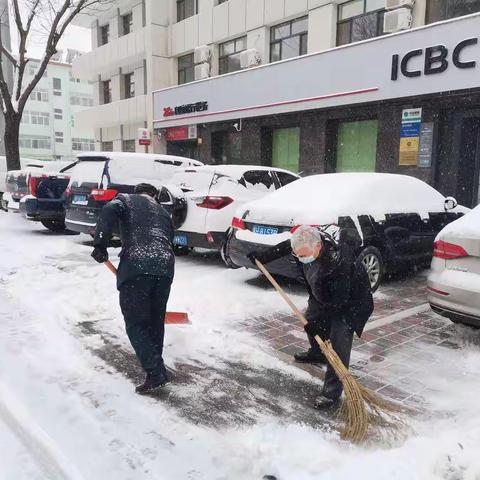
{"points": [[180, 240], [80, 200], [265, 230]]}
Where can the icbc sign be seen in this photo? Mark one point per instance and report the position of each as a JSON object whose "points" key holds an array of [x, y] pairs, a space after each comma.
{"points": [[436, 60]]}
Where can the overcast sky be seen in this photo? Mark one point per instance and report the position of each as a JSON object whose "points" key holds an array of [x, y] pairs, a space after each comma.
{"points": [[77, 38]]}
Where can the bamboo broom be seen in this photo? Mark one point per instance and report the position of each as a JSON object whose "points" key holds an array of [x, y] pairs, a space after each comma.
{"points": [[354, 408]]}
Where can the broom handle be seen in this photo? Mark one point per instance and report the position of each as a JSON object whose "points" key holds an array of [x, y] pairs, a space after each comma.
{"points": [[111, 267], [280, 290]]}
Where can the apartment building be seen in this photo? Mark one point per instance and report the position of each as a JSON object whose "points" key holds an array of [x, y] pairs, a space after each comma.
{"points": [[48, 130], [310, 85]]}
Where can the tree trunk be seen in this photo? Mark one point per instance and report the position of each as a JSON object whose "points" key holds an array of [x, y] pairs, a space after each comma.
{"points": [[12, 131]]}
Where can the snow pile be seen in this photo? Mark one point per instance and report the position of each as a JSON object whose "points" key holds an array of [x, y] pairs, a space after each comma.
{"points": [[322, 199]]}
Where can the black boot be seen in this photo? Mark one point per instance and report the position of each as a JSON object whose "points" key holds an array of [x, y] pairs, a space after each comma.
{"points": [[327, 405], [310, 356], [151, 384]]}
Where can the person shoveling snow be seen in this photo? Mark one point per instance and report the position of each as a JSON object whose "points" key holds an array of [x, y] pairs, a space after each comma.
{"points": [[145, 273], [340, 301]]}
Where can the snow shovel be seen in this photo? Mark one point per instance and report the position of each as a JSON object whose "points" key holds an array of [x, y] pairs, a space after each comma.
{"points": [[357, 398], [171, 318]]}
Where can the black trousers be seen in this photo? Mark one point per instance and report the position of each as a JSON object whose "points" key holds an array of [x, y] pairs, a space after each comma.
{"points": [[143, 301], [340, 334]]}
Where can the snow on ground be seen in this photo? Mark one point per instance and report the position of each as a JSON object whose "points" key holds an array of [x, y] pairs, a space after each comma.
{"points": [[68, 410]]}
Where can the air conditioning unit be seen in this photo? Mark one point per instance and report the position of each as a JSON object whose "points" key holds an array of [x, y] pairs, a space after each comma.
{"points": [[202, 71], [250, 58], [202, 54], [392, 4], [397, 20]]}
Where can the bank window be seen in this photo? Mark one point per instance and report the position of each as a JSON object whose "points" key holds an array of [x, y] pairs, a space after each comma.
{"points": [[128, 146], [58, 114], [129, 85], [58, 137], [289, 39], [230, 55], [186, 70], [107, 146], [104, 35], [127, 23], [107, 91], [186, 9], [438, 10], [359, 20]]}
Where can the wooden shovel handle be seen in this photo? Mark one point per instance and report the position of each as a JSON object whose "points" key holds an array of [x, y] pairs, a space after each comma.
{"points": [[111, 267]]}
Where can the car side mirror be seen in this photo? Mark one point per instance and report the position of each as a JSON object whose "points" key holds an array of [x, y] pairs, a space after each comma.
{"points": [[450, 203]]}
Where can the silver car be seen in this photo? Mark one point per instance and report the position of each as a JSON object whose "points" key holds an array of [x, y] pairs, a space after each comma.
{"points": [[454, 282]]}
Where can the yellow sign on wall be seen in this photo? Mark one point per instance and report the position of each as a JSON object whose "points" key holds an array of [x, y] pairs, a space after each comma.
{"points": [[409, 148]]}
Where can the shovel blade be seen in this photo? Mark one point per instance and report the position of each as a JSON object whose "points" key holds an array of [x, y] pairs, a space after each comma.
{"points": [[177, 318]]}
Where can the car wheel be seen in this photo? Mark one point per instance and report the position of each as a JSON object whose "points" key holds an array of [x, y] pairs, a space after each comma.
{"points": [[54, 225], [226, 258], [181, 251], [372, 260]]}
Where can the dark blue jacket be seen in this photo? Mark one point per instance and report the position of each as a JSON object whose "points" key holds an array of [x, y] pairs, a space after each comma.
{"points": [[337, 283], [146, 232]]}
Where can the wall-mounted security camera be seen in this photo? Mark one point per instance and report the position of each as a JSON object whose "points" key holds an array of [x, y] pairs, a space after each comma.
{"points": [[238, 126]]}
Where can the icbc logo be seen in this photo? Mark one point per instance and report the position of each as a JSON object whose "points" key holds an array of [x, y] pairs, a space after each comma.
{"points": [[168, 112]]}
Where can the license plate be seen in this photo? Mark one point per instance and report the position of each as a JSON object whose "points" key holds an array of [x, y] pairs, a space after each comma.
{"points": [[180, 240], [265, 230], [79, 200]]}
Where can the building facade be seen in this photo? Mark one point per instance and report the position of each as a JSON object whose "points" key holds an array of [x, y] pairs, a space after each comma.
{"points": [[48, 130], [279, 82]]}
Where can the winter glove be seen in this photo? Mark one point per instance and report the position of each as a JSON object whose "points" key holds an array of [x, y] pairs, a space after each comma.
{"points": [[313, 329], [100, 254]]}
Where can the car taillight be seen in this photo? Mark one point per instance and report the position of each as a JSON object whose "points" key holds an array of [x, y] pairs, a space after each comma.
{"points": [[101, 195], [68, 192], [448, 251], [33, 184], [238, 223], [214, 203]]}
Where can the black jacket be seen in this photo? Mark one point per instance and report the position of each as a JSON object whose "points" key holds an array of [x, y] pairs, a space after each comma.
{"points": [[336, 282], [146, 232]]}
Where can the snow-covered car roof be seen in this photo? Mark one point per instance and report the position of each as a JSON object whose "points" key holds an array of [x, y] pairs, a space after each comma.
{"points": [[326, 197], [133, 156], [466, 226], [237, 171]]}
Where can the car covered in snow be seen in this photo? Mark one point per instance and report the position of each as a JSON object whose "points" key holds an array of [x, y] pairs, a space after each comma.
{"points": [[454, 280], [205, 199], [98, 177], [397, 217], [17, 182]]}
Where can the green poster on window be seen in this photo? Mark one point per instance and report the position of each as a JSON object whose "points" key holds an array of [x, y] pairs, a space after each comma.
{"points": [[286, 149], [357, 146]]}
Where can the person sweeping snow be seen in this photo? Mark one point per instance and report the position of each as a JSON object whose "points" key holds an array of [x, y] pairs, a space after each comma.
{"points": [[145, 273], [340, 300]]}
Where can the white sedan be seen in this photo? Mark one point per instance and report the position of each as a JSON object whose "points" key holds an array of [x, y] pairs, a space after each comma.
{"points": [[454, 282]]}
